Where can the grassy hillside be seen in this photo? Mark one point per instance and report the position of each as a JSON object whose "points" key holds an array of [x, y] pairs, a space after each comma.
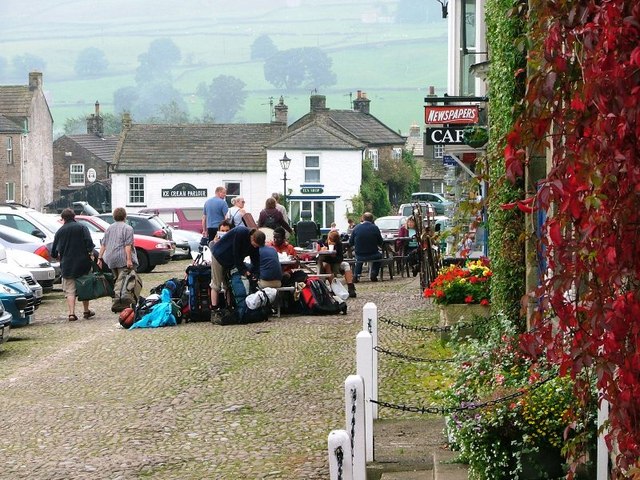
{"points": [[393, 63]]}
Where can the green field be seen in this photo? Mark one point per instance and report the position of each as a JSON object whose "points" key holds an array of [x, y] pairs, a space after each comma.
{"points": [[394, 63]]}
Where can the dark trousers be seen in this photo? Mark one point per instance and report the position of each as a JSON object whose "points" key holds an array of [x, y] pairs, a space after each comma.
{"points": [[211, 232], [375, 266]]}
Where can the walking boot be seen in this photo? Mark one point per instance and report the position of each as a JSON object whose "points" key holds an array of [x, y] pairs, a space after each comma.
{"points": [[352, 290]]}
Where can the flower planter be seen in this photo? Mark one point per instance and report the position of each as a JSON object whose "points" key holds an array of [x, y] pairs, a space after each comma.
{"points": [[461, 313]]}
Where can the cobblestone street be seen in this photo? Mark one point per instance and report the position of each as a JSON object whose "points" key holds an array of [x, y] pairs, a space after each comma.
{"points": [[89, 399]]}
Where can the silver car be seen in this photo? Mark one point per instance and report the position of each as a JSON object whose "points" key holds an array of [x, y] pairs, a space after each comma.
{"points": [[29, 252]]}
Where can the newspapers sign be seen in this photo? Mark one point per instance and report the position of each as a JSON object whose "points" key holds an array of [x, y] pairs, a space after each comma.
{"points": [[455, 114]]}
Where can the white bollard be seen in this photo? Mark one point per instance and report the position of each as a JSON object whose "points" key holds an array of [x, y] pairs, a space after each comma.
{"points": [[355, 423], [370, 324], [602, 455], [339, 455], [364, 351]]}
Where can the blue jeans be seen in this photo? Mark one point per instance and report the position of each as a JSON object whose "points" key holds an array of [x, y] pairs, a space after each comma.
{"points": [[375, 266]]}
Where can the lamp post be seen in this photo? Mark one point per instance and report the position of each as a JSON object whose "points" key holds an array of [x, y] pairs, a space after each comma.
{"points": [[284, 164]]}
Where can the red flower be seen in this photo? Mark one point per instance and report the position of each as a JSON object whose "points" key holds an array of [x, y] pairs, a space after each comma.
{"points": [[484, 302], [428, 292], [468, 299], [439, 293]]}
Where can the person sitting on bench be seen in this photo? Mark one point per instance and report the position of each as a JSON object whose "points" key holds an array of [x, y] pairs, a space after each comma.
{"points": [[336, 265], [366, 241]]}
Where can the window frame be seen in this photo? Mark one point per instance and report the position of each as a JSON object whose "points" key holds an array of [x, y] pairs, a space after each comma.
{"points": [[10, 187], [374, 156], [322, 211], [9, 146], [312, 170], [77, 174], [229, 186], [139, 198], [396, 153]]}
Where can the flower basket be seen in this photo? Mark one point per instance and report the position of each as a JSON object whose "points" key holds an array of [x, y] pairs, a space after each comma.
{"points": [[462, 312]]}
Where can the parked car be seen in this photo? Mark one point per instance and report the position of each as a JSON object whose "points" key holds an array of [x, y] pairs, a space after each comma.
{"points": [[28, 252], [390, 225], [186, 241], [38, 273], [406, 209], [143, 224], [439, 202], [151, 251], [34, 223], [5, 323], [184, 218], [17, 299]]}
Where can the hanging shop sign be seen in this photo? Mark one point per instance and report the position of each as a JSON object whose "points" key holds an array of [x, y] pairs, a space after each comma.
{"points": [[444, 136], [454, 114], [184, 190]]}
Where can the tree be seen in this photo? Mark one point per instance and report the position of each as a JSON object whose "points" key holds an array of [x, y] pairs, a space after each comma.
{"points": [[124, 98], [170, 113], [22, 64], [156, 63], [299, 67], [582, 101], [223, 98], [91, 62], [373, 195], [263, 47], [402, 177]]}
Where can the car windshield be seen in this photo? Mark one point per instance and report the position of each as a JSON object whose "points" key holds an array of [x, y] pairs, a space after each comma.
{"points": [[50, 222], [388, 223]]}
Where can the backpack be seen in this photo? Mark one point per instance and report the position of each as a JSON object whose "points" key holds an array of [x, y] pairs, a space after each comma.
{"points": [[271, 222], [129, 292], [238, 312], [317, 299]]}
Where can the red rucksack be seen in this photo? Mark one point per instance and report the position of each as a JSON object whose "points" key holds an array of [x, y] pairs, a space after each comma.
{"points": [[317, 299]]}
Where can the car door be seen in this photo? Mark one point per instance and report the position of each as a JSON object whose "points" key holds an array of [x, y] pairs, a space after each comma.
{"points": [[22, 224]]}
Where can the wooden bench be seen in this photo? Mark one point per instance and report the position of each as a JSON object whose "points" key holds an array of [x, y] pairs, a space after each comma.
{"points": [[384, 262]]}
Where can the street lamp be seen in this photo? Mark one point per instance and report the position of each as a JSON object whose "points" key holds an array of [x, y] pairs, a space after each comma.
{"points": [[284, 164]]}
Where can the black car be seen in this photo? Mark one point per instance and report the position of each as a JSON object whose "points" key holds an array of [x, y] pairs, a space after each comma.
{"points": [[144, 224]]}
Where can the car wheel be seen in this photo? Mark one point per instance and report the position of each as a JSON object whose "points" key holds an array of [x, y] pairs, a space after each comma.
{"points": [[151, 267], [143, 262]]}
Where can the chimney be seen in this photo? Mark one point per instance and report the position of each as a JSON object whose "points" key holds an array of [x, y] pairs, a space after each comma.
{"points": [[361, 103], [318, 103], [126, 121], [414, 130], [35, 80], [95, 122], [281, 112]]}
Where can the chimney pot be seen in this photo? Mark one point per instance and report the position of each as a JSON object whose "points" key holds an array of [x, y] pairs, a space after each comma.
{"points": [[281, 112], [318, 103], [35, 80]]}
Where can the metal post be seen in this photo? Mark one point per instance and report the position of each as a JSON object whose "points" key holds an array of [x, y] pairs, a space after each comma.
{"points": [[284, 196]]}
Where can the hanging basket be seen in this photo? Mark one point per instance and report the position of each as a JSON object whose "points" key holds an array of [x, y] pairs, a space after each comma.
{"points": [[476, 136]]}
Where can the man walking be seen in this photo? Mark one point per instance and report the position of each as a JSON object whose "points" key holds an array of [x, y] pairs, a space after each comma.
{"points": [[214, 211], [73, 245], [366, 241]]}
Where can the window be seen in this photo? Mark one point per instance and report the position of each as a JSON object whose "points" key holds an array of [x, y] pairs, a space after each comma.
{"points": [[438, 151], [136, 190], [10, 191], [322, 212], [76, 174], [396, 154], [9, 151], [372, 154], [312, 169], [233, 190]]}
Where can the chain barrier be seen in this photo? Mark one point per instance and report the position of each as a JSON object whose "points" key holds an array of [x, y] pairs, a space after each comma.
{"points": [[409, 358], [433, 329], [462, 408]]}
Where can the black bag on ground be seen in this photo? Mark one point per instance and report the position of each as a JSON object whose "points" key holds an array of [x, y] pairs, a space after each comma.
{"points": [[199, 285], [317, 299], [238, 312]]}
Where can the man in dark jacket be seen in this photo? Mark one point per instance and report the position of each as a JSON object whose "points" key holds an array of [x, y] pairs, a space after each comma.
{"points": [[73, 245], [366, 241], [229, 252]]}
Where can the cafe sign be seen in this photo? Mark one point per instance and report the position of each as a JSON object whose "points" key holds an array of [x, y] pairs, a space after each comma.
{"points": [[311, 190], [444, 136], [184, 190], [454, 114]]}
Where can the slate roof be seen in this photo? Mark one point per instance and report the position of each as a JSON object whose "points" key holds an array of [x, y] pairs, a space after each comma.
{"points": [[9, 126], [102, 147], [200, 147], [317, 136], [362, 126], [15, 100]]}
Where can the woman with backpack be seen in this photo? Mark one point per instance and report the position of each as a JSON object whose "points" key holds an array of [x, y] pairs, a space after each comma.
{"points": [[236, 212], [271, 217]]}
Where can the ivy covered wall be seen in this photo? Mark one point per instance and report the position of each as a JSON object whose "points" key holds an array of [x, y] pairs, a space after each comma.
{"points": [[505, 26]]}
